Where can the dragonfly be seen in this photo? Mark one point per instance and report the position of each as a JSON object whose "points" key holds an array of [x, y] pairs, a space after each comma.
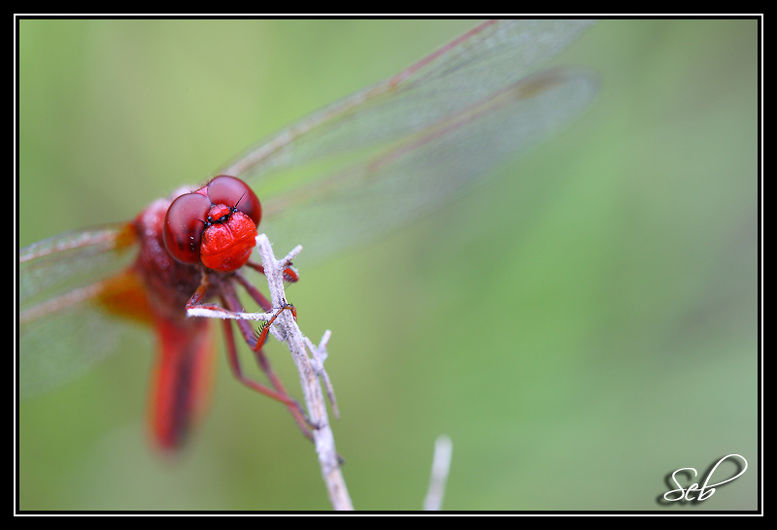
{"points": [[338, 177]]}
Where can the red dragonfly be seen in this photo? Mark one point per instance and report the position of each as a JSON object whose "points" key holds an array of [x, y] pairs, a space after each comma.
{"points": [[375, 159]]}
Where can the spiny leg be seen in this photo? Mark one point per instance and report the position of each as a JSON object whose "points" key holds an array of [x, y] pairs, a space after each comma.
{"points": [[278, 394], [253, 292], [259, 298], [264, 328], [193, 304], [230, 300], [290, 274], [232, 310], [194, 307]]}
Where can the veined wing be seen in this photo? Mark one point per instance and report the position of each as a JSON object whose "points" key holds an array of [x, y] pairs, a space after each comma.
{"points": [[59, 264], [62, 332], [378, 157]]}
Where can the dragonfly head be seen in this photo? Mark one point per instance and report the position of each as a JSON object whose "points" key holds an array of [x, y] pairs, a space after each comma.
{"points": [[214, 225]]}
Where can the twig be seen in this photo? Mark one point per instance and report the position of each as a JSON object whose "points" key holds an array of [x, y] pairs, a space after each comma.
{"points": [[319, 356], [308, 375], [443, 447]]}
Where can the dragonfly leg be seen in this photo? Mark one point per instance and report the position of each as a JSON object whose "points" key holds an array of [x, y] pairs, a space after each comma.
{"points": [[253, 292], [290, 274], [232, 310], [199, 295], [230, 300], [194, 307], [259, 298], [264, 328], [277, 393]]}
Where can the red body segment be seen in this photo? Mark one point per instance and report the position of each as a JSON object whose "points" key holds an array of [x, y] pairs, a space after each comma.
{"points": [[177, 240], [181, 379], [189, 245], [184, 347]]}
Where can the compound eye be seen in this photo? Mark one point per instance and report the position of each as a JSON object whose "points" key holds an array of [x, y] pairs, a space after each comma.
{"points": [[184, 223], [234, 192]]}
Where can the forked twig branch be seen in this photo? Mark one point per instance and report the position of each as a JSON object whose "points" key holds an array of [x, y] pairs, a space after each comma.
{"points": [[309, 371]]}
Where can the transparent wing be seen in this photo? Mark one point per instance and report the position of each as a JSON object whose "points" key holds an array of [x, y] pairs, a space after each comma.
{"points": [[62, 331], [346, 173], [380, 156], [68, 261]]}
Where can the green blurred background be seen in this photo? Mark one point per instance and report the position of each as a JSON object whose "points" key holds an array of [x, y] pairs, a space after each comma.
{"points": [[610, 338]]}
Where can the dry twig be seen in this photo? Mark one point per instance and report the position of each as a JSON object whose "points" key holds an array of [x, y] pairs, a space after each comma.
{"points": [[285, 330], [309, 370], [443, 448]]}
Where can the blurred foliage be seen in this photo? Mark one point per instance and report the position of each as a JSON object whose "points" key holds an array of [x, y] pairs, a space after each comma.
{"points": [[581, 325]]}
